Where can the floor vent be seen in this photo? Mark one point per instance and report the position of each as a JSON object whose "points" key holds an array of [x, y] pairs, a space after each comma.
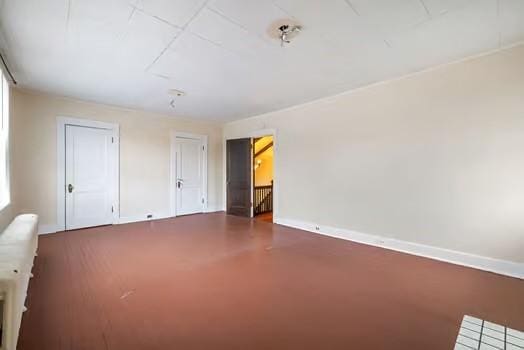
{"points": [[477, 334]]}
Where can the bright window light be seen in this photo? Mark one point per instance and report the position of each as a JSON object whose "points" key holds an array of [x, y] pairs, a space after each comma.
{"points": [[4, 142]]}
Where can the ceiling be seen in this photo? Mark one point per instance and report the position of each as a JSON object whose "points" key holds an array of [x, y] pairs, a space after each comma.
{"points": [[131, 52]]}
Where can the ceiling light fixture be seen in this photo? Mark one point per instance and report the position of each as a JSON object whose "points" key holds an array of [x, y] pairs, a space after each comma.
{"points": [[175, 93], [287, 32]]}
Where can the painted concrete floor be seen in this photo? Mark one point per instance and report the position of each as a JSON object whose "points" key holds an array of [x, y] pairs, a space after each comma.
{"points": [[213, 281]]}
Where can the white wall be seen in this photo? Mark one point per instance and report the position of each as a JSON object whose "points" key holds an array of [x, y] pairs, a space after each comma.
{"points": [[144, 155], [436, 158]]}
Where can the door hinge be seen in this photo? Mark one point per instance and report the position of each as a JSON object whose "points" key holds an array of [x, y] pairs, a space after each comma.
{"points": [[112, 209], [112, 140], [203, 148], [202, 200]]}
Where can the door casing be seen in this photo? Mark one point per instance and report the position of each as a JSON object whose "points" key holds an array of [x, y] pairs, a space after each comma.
{"points": [[173, 170], [61, 123]]}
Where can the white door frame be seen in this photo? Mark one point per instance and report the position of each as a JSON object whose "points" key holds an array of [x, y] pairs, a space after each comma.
{"points": [[173, 169], [61, 123], [254, 134]]}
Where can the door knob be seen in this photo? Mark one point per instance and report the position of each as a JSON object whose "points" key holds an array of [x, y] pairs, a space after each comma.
{"points": [[70, 188]]}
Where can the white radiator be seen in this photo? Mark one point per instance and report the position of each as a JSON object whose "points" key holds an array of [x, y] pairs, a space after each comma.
{"points": [[18, 244]]}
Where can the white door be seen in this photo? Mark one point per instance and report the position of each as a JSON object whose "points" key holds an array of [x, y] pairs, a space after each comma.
{"points": [[88, 175], [189, 175]]}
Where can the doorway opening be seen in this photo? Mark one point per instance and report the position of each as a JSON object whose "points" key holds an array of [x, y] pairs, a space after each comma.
{"points": [[263, 178], [250, 176]]}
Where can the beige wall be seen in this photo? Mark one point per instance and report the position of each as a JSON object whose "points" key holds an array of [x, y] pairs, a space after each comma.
{"points": [[144, 155], [435, 158]]}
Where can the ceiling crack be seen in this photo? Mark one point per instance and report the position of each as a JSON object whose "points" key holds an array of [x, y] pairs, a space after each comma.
{"points": [[161, 76], [283, 10], [172, 41], [206, 39], [215, 11], [164, 21], [353, 8], [68, 15], [154, 17], [131, 14], [195, 14], [425, 8], [163, 51], [498, 25]]}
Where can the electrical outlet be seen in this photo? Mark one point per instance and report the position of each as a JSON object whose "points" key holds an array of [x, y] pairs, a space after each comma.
{"points": [[317, 228]]}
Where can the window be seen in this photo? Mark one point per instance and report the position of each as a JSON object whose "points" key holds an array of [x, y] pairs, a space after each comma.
{"points": [[4, 142]]}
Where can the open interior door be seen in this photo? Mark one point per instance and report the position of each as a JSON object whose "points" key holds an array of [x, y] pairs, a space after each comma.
{"points": [[238, 177]]}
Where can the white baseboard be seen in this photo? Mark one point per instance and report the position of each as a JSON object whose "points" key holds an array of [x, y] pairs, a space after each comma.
{"points": [[213, 209], [502, 267], [44, 229], [156, 216], [143, 217]]}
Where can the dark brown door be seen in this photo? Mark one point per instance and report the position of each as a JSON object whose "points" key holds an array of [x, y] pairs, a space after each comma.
{"points": [[239, 177]]}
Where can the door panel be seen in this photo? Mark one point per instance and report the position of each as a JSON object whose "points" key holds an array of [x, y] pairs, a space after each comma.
{"points": [[88, 177], [189, 173], [239, 177]]}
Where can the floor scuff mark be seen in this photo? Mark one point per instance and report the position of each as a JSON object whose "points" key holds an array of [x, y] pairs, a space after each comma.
{"points": [[126, 294]]}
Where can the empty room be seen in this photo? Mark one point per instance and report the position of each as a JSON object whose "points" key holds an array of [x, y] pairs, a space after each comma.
{"points": [[261, 174]]}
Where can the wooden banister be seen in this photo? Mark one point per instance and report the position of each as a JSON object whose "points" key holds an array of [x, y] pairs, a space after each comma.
{"points": [[263, 199]]}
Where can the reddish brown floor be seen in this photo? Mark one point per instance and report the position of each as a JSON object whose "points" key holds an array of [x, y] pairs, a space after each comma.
{"points": [[217, 282], [267, 217]]}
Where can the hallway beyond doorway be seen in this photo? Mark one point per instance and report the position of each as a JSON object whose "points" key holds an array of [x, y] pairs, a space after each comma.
{"points": [[263, 176], [266, 217]]}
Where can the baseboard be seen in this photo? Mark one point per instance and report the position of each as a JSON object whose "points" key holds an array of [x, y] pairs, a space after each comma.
{"points": [[143, 217], [44, 229], [156, 216], [502, 267], [212, 209]]}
